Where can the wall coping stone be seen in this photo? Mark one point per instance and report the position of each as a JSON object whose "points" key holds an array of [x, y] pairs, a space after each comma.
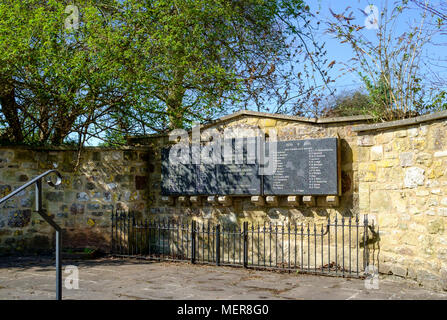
{"points": [[276, 116], [70, 148], [401, 123]]}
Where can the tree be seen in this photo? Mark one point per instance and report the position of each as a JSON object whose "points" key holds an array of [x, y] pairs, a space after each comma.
{"points": [[203, 58], [348, 104], [134, 67], [53, 80], [390, 65], [437, 64]]}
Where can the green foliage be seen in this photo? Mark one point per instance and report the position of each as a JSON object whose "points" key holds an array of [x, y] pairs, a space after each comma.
{"points": [[349, 104], [390, 63], [59, 78], [134, 67]]}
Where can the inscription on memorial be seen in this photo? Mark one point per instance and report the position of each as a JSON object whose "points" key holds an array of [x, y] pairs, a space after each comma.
{"points": [[239, 174], [304, 167]]}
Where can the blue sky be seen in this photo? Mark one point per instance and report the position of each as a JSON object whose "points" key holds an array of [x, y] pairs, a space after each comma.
{"points": [[342, 52]]}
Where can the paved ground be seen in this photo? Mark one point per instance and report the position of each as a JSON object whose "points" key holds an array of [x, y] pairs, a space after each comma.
{"points": [[107, 278]]}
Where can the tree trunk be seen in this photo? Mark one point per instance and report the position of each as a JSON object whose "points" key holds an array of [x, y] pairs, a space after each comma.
{"points": [[174, 101], [63, 127], [10, 110]]}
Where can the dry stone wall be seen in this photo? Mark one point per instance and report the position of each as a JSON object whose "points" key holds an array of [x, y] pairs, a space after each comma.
{"points": [[393, 172], [242, 208], [403, 182], [81, 205]]}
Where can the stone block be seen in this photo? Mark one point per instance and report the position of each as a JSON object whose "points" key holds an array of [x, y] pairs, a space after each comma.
{"points": [[224, 200], [267, 123], [54, 196], [77, 208], [377, 152], [271, 200], [197, 200], [367, 172], [212, 200], [183, 200], [309, 201], [332, 201], [406, 159], [82, 196], [401, 133], [168, 200], [293, 200], [425, 159], [364, 196], [439, 154], [399, 271], [414, 177], [5, 190], [387, 163], [93, 206], [436, 226], [437, 170], [26, 202], [413, 132], [365, 141], [19, 218], [90, 186], [258, 200]]}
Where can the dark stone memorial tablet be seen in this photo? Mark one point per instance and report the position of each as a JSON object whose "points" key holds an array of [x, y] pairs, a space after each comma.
{"points": [[305, 167], [239, 174], [187, 179], [169, 175]]}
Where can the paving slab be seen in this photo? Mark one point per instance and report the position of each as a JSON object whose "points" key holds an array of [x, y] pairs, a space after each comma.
{"points": [[130, 279]]}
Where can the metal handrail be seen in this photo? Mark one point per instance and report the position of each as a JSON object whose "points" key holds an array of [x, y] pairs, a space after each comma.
{"points": [[37, 181]]}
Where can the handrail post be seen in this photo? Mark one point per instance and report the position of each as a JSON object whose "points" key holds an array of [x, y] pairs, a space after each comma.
{"points": [[58, 265], [39, 209], [37, 182]]}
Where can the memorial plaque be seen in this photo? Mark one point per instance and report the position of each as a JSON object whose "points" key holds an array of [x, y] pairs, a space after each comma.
{"points": [[169, 175], [239, 174], [305, 167], [187, 179]]}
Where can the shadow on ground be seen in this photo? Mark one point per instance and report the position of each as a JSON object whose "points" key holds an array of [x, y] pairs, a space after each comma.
{"points": [[116, 278]]}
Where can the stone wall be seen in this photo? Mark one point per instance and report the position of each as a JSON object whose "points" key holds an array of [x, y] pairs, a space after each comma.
{"points": [[82, 204], [394, 172], [242, 209], [403, 182]]}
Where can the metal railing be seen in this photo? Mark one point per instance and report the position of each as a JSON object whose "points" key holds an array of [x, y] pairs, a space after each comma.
{"points": [[37, 181], [337, 247]]}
